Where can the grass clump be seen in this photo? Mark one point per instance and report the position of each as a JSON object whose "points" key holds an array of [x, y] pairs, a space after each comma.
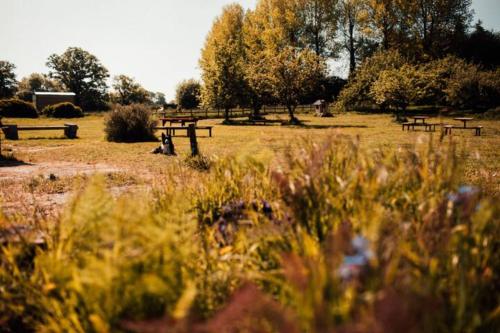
{"points": [[132, 123], [63, 110], [16, 108], [199, 162], [326, 237]]}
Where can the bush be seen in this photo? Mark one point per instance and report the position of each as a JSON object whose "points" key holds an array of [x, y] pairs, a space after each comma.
{"points": [[131, 123], [357, 91], [63, 110], [472, 88], [16, 108]]}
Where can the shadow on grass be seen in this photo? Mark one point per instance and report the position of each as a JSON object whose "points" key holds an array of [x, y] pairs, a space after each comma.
{"points": [[306, 126], [11, 161], [35, 138], [252, 123]]}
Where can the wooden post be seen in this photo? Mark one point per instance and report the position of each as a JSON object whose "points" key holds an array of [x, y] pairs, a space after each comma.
{"points": [[71, 131], [11, 132], [192, 140]]}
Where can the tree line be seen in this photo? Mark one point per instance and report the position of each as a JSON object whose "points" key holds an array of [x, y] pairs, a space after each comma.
{"points": [[279, 51], [81, 72]]}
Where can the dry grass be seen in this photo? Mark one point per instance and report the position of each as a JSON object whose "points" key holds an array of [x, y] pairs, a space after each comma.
{"points": [[50, 153]]}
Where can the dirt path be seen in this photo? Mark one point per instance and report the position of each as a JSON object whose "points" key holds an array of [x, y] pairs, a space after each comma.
{"points": [[22, 171]]}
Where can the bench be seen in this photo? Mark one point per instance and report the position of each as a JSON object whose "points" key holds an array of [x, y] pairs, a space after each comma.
{"points": [[12, 131], [448, 128], [408, 125], [170, 130], [179, 120], [431, 127]]}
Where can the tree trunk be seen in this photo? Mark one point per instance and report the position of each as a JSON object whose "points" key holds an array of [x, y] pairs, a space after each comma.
{"points": [[352, 52], [226, 114], [291, 111]]}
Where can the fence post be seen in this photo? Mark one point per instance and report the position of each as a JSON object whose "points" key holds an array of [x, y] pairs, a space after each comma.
{"points": [[192, 140]]}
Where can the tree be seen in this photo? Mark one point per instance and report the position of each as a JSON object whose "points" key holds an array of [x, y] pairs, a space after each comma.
{"points": [[349, 16], [159, 98], [258, 89], [292, 73], [396, 88], [82, 73], [8, 83], [127, 91], [357, 91], [482, 47], [320, 25], [437, 22], [222, 61], [187, 94]]}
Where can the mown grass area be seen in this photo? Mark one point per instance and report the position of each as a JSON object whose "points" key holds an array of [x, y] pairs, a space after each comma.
{"points": [[479, 156]]}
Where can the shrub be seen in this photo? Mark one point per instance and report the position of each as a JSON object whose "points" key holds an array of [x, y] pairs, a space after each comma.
{"points": [[470, 87], [131, 123], [396, 88], [63, 110], [17, 108], [357, 91]]}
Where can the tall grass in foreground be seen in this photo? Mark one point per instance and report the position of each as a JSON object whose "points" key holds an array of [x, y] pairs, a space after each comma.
{"points": [[330, 238]]}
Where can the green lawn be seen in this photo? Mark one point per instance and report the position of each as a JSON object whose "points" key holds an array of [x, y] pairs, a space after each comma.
{"points": [[479, 155]]}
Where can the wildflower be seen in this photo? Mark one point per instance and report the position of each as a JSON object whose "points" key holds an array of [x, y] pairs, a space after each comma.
{"points": [[354, 264]]}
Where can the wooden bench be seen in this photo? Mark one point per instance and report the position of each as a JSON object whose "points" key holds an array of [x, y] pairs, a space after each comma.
{"points": [[170, 130], [179, 120], [448, 128], [408, 125], [12, 131], [431, 127]]}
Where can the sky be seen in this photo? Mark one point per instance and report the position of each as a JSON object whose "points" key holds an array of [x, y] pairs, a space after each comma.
{"points": [[157, 42]]}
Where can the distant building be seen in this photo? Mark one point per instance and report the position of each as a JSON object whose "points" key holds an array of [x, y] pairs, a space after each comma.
{"points": [[322, 108], [42, 99]]}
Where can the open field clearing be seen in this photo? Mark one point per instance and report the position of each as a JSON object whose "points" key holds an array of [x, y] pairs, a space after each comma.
{"points": [[132, 165]]}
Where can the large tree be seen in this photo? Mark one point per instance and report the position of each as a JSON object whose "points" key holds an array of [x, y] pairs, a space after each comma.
{"points": [[127, 91], [82, 73], [350, 21], [437, 22], [258, 89], [320, 18], [187, 94], [292, 73], [8, 83], [222, 60]]}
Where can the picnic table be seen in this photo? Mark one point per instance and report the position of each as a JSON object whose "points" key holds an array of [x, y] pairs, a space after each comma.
{"points": [[477, 129], [464, 120], [422, 118], [179, 120]]}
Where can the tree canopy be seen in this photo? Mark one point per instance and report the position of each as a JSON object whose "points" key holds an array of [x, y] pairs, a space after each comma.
{"points": [[82, 73], [187, 94], [222, 61], [127, 91], [8, 83]]}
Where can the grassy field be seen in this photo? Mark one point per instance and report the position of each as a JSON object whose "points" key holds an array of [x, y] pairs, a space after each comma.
{"points": [[49, 152], [344, 224]]}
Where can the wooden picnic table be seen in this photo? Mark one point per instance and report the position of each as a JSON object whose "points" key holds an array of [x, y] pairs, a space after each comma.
{"points": [[464, 120], [179, 120], [422, 118]]}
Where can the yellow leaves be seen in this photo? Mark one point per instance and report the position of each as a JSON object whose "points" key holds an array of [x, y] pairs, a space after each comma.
{"points": [[99, 325], [185, 301]]}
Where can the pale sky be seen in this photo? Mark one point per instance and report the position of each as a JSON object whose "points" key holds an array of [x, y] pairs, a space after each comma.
{"points": [[157, 42]]}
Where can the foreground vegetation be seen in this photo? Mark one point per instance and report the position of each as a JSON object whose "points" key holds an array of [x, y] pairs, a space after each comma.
{"points": [[374, 234]]}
